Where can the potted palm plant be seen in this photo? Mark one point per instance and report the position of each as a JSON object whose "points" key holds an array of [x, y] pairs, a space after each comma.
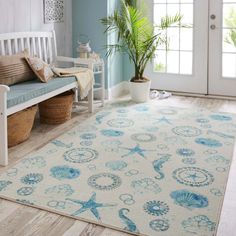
{"points": [[139, 38]]}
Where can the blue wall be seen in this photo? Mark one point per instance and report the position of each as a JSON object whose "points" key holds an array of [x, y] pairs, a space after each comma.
{"points": [[128, 68], [115, 62], [86, 20]]}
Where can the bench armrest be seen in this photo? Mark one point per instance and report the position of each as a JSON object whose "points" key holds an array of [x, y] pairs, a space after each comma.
{"points": [[4, 88]]}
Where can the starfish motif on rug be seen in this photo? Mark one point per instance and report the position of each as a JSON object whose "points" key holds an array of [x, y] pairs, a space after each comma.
{"points": [[136, 150], [164, 120], [90, 205]]}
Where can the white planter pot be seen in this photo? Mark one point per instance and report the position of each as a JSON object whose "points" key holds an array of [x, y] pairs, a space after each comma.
{"points": [[140, 91]]}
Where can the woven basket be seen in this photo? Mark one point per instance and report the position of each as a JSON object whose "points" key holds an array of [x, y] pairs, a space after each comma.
{"points": [[20, 125], [56, 110]]}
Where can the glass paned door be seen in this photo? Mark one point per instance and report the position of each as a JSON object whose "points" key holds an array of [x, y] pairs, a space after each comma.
{"points": [[179, 57], [222, 48], [183, 67]]}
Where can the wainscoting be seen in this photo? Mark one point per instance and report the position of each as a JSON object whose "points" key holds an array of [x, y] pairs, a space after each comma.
{"points": [[27, 15]]}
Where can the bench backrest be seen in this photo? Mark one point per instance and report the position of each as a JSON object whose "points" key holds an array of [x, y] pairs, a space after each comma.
{"points": [[42, 44]]}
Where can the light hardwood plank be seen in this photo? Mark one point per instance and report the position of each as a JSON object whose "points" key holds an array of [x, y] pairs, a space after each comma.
{"points": [[76, 229], [7, 208], [61, 225], [14, 222], [38, 224], [92, 230]]}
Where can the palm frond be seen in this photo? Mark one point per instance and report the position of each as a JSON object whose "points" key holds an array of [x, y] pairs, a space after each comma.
{"points": [[132, 3], [136, 34], [171, 21]]}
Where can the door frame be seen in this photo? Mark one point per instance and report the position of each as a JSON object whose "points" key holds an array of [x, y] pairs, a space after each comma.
{"points": [[197, 82], [218, 85]]}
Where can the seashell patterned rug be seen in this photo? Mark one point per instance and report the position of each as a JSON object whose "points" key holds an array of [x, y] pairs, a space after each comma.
{"points": [[142, 169]]}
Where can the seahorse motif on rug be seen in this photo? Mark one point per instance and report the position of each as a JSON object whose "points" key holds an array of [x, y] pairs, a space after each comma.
{"points": [[130, 225], [158, 165]]}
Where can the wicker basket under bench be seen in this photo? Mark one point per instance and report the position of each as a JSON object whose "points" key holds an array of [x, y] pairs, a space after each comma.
{"points": [[20, 125], [31, 93]]}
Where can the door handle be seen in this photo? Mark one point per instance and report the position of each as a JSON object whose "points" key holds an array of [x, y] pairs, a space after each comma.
{"points": [[213, 17], [213, 27]]}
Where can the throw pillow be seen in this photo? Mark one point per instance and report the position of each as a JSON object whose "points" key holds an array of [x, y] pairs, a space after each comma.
{"points": [[14, 69], [41, 69]]}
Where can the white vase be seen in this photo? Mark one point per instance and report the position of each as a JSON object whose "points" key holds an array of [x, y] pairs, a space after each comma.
{"points": [[140, 91]]}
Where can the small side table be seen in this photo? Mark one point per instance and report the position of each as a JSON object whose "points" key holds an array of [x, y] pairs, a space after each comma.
{"points": [[97, 66]]}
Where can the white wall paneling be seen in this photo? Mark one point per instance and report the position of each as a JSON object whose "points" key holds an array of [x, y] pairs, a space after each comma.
{"points": [[6, 16], [27, 15]]}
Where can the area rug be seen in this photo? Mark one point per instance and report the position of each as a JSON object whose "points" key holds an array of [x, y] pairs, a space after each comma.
{"points": [[142, 169]]}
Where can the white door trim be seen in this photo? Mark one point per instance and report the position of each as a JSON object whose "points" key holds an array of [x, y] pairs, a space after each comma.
{"points": [[217, 84], [196, 83]]}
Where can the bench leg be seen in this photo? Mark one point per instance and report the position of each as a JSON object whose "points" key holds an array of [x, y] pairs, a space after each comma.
{"points": [[3, 127], [90, 101], [3, 140], [103, 86], [76, 98]]}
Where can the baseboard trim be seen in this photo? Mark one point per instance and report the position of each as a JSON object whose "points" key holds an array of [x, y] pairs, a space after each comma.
{"points": [[117, 90], [205, 96], [122, 89]]}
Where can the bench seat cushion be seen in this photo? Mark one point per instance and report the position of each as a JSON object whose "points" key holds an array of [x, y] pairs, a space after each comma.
{"points": [[26, 91]]}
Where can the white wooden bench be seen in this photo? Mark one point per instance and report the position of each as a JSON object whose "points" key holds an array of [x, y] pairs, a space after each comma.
{"points": [[42, 44]]}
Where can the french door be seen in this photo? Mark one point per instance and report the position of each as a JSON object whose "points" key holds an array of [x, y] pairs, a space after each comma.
{"points": [[201, 58], [222, 48]]}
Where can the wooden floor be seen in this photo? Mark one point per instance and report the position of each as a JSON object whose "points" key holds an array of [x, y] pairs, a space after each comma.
{"points": [[20, 220]]}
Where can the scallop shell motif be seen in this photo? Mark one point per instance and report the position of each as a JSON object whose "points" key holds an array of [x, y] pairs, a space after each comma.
{"points": [[189, 199]]}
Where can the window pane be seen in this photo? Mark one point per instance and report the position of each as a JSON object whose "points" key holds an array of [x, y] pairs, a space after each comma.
{"points": [[229, 65], [159, 1], [229, 42], [159, 13], [229, 39], [229, 11], [160, 62], [172, 1], [187, 13], [173, 37], [186, 63], [172, 62], [186, 42], [173, 9], [180, 39]]}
